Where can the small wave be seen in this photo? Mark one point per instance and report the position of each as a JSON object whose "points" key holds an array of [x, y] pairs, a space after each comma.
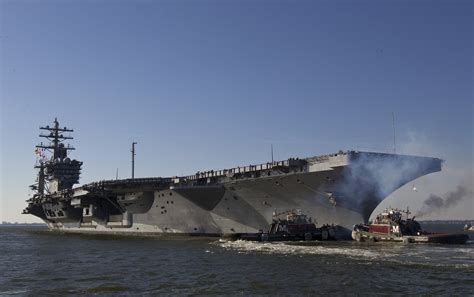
{"points": [[100, 289], [433, 264], [13, 292], [106, 289]]}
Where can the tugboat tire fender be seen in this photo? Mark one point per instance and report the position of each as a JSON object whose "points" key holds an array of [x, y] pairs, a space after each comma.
{"points": [[324, 235], [358, 237]]}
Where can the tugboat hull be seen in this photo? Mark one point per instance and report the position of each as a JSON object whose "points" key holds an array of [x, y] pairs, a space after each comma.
{"points": [[449, 238]]}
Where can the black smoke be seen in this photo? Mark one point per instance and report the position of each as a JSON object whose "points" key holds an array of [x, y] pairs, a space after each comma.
{"points": [[435, 203]]}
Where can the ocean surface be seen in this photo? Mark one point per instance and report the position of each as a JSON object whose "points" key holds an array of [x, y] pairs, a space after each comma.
{"points": [[36, 262]]}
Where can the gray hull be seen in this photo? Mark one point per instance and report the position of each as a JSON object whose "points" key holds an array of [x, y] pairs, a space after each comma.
{"points": [[341, 189]]}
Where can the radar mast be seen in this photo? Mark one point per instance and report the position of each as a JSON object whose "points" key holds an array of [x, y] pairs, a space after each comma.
{"points": [[58, 172]]}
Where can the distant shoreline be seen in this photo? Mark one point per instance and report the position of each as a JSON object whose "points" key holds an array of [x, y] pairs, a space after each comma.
{"points": [[446, 221]]}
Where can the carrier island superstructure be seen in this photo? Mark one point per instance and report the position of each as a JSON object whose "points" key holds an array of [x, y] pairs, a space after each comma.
{"points": [[341, 189]]}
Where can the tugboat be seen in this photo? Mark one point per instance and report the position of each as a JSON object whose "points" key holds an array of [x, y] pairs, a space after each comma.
{"points": [[294, 226], [390, 226]]}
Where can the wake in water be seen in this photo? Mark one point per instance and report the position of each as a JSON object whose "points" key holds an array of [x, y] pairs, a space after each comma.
{"points": [[294, 249], [461, 256]]}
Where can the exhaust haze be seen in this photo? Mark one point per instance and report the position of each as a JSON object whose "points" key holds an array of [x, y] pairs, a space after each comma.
{"points": [[435, 203]]}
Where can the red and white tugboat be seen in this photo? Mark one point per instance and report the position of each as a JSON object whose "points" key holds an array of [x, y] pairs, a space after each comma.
{"points": [[292, 225], [390, 226]]}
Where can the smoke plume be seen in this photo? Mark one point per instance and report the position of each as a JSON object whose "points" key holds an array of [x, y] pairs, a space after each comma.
{"points": [[434, 203], [371, 177]]}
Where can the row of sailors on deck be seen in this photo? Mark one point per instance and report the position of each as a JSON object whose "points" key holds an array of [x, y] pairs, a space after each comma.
{"points": [[225, 171], [246, 169]]}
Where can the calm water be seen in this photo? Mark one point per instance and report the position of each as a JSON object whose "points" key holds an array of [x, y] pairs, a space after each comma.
{"points": [[37, 262]]}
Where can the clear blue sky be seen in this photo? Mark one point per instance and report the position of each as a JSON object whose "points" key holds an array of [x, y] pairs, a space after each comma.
{"points": [[211, 84]]}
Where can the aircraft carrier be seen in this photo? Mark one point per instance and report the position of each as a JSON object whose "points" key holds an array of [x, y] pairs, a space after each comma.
{"points": [[340, 189]]}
